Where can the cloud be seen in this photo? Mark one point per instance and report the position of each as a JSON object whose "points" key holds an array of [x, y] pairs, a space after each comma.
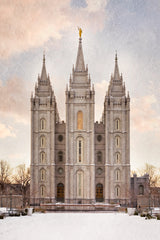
{"points": [[31, 23], [6, 131], [143, 116], [14, 99], [96, 5]]}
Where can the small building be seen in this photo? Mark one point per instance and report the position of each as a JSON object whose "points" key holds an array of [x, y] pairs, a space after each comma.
{"points": [[140, 191]]}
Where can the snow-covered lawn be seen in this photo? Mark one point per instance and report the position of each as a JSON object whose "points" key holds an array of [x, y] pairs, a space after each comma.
{"points": [[79, 226]]}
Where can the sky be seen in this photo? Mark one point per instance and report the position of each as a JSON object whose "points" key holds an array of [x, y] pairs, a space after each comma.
{"points": [[30, 27]]}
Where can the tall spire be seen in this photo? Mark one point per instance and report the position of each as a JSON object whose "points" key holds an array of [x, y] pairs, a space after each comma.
{"points": [[43, 73], [80, 66], [116, 69]]}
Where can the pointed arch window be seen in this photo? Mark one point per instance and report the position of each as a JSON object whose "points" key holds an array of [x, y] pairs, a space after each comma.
{"points": [[43, 157], [117, 175], [80, 184], [80, 120], [117, 141], [117, 124], [43, 174], [42, 191], [117, 191], [43, 141], [42, 124], [80, 146]]}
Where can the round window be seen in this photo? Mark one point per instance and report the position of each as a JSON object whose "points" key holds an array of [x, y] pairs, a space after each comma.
{"points": [[99, 138], [60, 138], [99, 171], [60, 170]]}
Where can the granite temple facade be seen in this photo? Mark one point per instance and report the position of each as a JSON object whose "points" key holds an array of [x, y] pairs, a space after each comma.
{"points": [[80, 160]]}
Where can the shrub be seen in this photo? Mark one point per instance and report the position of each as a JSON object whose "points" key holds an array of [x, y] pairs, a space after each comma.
{"points": [[158, 217], [24, 213], [26, 210], [136, 213], [149, 216], [1, 216], [143, 215], [17, 214]]}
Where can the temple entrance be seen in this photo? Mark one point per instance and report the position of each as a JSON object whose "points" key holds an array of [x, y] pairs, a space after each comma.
{"points": [[60, 192], [99, 192]]}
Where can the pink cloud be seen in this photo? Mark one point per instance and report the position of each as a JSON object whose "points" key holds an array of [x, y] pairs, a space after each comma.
{"points": [[143, 117], [31, 23], [14, 99], [6, 131]]}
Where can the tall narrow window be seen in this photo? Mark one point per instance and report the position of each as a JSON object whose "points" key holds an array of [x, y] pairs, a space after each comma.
{"points": [[80, 150], [118, 160], [117, 141], [99, 192], [141, 190], [99, 157], [80, 184], [80, 120], [117, 192], [60, 192], [43, 141], [117, 124], [43, 157], [60, 156], [43, 124], [43, 175], [117, 175], [42, 191]]}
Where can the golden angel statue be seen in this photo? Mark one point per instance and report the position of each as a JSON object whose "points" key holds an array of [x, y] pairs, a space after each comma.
{"points": [[80, 32]]}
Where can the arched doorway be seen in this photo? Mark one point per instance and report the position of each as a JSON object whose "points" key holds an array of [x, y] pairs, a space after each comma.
{"points": [[60, 192], [99, 192]]}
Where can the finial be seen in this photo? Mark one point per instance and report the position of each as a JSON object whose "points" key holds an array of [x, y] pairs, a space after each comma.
{"points": [[44, 56], [80, 32], [116, 56]]}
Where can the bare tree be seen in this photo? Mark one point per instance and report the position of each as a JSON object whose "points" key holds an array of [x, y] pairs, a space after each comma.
{"points": [[154, 174], [5, 175], [22, 177]]}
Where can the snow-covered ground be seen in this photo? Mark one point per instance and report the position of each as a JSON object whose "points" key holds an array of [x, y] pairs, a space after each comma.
{"points": [[79, 226]]}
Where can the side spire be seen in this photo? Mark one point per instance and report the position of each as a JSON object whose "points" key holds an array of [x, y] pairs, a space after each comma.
{"points": [[116, 69], [80, 66], [44, 73]]}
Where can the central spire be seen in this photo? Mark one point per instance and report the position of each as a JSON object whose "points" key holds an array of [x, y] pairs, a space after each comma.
{"points": [[80, 66]]}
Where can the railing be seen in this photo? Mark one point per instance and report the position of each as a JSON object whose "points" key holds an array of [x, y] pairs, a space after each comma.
{"points": [[39, 201]]}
